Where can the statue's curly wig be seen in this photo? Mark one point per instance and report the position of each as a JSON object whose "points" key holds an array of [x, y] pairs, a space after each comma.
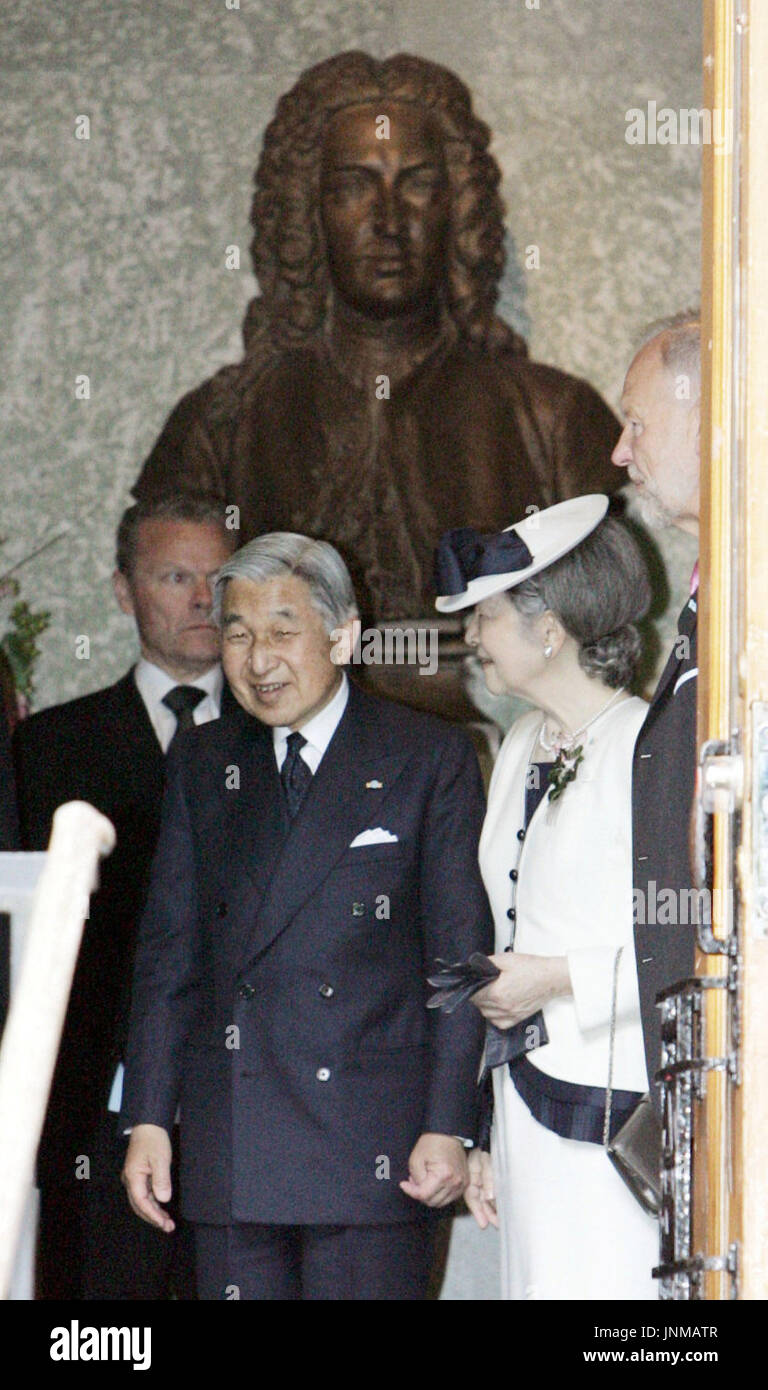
{"points": [[287, 247]]}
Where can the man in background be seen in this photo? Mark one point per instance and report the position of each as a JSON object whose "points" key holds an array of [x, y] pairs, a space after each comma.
{"points": [[659, 447], [108, 748], [9, 828], [9, 840]]}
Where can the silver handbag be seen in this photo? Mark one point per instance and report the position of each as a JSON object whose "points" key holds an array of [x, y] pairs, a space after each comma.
{"points": [[635, 1151]]}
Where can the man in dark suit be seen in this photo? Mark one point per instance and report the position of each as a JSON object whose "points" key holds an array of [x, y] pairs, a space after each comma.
{"points": [[9, 840], [659, 447], [9, 826], [318, 851], [107, 748]]}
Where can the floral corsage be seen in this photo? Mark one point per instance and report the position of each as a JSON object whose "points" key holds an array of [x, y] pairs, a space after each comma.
{"points": [[563, 770]]}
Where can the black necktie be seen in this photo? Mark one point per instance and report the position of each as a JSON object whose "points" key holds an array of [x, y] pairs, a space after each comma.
{"points": [[182, 701], [294, 774]]}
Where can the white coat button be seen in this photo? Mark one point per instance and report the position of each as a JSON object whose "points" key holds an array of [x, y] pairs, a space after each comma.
{"points": [[323, 1074]]}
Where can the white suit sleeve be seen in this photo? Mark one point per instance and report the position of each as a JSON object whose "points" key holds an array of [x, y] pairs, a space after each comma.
{"points": [[591, 971]]}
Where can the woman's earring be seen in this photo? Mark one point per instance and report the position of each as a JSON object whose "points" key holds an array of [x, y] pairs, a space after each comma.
{"points": [[547, 651]]}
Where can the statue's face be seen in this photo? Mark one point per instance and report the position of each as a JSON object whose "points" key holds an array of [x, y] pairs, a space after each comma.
{"points": [[385, 207]]}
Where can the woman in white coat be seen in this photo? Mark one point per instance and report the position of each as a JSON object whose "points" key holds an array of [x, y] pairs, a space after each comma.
{"points": [[554, 600]]}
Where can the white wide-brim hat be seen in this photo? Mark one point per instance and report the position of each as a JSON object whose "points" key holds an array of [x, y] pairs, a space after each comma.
{"points": [[470, 558]]}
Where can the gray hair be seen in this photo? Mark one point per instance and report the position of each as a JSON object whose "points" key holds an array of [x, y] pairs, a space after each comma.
{"points": [[287, 553], [167, 506], [681, 342], [599, 590]]}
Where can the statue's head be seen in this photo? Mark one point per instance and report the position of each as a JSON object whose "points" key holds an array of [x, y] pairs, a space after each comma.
{"points": [[375, 187]]}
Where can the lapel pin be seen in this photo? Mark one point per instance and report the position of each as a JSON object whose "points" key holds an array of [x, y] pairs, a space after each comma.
{"points": [[374, 784]]}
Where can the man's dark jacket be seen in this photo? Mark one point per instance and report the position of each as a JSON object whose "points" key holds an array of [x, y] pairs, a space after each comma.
{"points": [[663, 778], [100, 748], [9, 841], [280, 989], [9, 823]]}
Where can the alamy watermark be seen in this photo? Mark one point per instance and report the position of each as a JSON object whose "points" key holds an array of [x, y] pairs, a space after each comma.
{"points": [[86, 1343], [680, 907], [386, 645], [690, 125]]}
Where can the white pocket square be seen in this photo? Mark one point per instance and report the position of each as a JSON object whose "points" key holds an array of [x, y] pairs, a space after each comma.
{"points": [[373, 837], [686, 676]]}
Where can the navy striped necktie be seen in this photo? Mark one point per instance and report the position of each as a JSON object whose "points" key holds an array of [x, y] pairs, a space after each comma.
{"points": [[294, 774]]}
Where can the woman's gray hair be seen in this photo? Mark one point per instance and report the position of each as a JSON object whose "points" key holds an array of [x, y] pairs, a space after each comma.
{"points": [[284, 553], [599, 590]]}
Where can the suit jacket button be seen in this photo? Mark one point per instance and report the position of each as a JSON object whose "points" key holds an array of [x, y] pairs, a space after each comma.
{"points": [[327, 991], [246, 991], [323, 1074], [358, 909], [221, 910]]}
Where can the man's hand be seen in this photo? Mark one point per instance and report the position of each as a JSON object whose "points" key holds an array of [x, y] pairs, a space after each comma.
{"points": [[147, 1175], [480, 1195], [526, 983], [438, 1170]]}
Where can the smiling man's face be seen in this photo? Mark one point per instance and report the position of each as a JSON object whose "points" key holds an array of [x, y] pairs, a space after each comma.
{"points": [[170, 593], [276, 650]]}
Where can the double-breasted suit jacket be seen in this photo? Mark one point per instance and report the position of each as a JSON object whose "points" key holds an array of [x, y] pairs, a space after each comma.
{"points": [[100, 748], [663, 777], [280, 988]]}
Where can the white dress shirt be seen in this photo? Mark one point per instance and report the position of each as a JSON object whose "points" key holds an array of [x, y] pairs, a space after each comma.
{"points": [[318, 731], [153, 684]]}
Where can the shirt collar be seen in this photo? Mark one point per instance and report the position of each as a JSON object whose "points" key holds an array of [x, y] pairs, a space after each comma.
{"points": [[153, 682], [319, 730]]}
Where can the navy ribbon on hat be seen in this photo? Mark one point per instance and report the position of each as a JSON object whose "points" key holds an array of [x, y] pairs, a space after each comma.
{"points": [[465, 554]]}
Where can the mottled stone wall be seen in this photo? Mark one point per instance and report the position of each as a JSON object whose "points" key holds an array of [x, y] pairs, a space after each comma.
{"points": [[115, 245]]}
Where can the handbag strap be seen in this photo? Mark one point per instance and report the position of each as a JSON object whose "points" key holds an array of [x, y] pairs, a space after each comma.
{"points": [[611, 1049]]}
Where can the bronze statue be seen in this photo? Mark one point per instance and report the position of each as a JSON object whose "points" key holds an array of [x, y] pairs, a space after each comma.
{"points": [[380, 400]]}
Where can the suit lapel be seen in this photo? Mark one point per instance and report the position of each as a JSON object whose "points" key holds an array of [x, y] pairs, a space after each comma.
{"points": [[676, 665], [249, 824], [131, 717], [337, 807], [127, 693], [133, 726]]}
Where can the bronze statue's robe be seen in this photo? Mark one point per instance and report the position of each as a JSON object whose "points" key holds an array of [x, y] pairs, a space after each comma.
{"points": [[466, 438]]}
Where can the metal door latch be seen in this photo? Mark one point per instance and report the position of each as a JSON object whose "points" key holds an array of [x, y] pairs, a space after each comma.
{"points": [[722, 777]]}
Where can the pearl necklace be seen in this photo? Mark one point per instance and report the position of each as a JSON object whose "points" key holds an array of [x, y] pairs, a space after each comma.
{"points": [[558, 742]]}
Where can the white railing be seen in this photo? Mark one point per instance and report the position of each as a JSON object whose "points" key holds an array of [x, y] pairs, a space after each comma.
{"points": [[46, 896]]}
